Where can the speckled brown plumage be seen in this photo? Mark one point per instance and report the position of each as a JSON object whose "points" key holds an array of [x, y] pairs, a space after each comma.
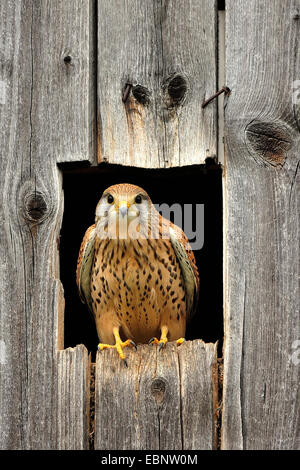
{"points": [[135, 286]]}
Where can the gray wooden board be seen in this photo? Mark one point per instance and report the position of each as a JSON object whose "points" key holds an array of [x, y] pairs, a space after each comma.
{"points": [[157, 47], [45, 116], [63, 68], [73, 399], [261, 217], [163, 400]]}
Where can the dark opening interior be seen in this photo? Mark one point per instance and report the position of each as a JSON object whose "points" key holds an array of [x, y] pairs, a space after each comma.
{"points": [[221, 4], [83, 188]]}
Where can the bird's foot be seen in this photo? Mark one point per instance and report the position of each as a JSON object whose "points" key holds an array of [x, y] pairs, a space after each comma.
{"points": [[162, 342], [119, 345], [163, 338], [180, 341]]}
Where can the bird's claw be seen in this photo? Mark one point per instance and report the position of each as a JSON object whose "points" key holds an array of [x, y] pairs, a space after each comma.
{"points": [[161, 342], [133, 344], [153, 340], [119, 347]]}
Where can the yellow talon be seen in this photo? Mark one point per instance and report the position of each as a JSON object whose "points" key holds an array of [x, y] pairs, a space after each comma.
{"points": [[163, 338], [119, 345], [180, 341]]}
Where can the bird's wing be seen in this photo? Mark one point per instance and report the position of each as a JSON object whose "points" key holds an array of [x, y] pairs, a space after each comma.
{"points": [[188, 267], [84, 266]]}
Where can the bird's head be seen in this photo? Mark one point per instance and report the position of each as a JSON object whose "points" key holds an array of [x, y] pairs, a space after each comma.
{"points": [[123, 212]]}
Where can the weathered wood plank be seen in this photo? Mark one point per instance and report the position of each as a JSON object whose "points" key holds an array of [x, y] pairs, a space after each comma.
{"points": [[167, 51], [261, 379], [163, 400], [198, 394], [73, 398], [64, 75], [38, 125]]}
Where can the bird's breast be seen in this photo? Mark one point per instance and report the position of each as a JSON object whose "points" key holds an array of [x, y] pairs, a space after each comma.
{"points": [[140, 281]]}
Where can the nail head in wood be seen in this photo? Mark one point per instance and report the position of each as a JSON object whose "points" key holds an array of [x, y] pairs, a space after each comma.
{"points": [[126, 92], [224, 89]]}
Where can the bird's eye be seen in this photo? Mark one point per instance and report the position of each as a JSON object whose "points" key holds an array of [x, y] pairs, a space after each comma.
{"points": [[138, 199], [110, 199]]}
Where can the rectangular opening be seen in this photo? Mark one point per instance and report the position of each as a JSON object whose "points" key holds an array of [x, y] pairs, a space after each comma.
{"points": [[83, 188]]}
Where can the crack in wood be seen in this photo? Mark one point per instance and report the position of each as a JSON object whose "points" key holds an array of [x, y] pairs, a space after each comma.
{"points": [[31, 90], [91, 417], [180, 404], [163, 399], [219, 404]]}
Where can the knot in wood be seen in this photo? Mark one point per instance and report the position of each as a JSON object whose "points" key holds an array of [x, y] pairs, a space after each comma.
{"points": [[35, 207], [177, 89], [158, 389], [67, 59], [268, 141], [141, 94]]}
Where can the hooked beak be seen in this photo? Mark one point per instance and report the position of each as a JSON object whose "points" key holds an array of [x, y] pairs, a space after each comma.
{"points": [[123, 208]]}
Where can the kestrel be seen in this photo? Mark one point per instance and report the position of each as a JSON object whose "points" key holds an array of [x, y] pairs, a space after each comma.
{"points": [[136, 272]]}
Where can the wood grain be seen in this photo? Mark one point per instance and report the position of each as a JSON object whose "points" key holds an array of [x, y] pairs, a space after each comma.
{"points": [[48, 98], [73, 398], [167, 51], [163, 400], [45, 116], [261, 274], [64, 73]]}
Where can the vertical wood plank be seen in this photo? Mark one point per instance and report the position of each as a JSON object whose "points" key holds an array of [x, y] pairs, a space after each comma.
{"points": [[64, 77], [198, 392], [261, 377], [162, 401], [73, 399], [167, 51], [45, 116]]}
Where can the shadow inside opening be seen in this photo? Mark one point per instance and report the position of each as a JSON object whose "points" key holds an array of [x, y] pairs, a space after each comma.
{"points": [[83, 188]]}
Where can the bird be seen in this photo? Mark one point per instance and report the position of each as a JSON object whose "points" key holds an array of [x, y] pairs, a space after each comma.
{"points": [[136, 272]]}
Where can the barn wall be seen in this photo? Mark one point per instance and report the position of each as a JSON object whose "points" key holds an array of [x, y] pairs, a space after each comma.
{"points": [[261, 232], [64, 66], [46, 115]]}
